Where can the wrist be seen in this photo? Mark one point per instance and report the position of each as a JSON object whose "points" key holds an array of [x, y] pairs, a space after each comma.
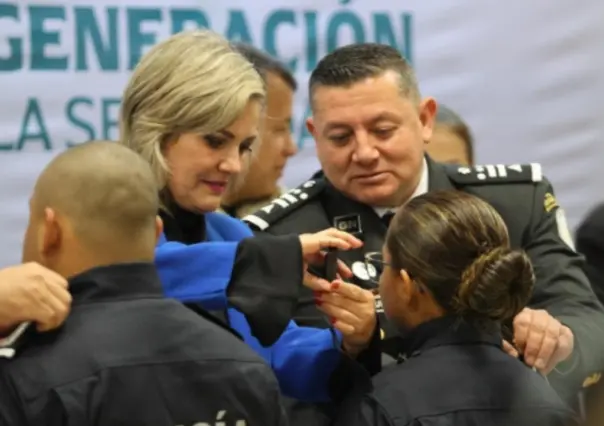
{"points": [[353, 350]]}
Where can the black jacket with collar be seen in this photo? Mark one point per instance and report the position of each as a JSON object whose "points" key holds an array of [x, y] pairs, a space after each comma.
{"points": [[128, 356], [454, 373], [525, 200]]}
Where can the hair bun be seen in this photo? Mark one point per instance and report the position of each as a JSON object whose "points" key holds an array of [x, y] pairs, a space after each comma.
{"points": [[497, 285]]}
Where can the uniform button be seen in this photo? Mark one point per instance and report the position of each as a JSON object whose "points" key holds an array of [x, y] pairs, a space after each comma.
{"points": [[382, 333]]}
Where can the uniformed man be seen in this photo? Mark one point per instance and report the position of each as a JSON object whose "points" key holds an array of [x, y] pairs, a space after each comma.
{"points": [[371, 126], [125, 355], [276, 145]]}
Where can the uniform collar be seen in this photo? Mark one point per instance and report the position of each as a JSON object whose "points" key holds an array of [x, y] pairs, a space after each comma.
{"points": [[123, 281], [182, 225], [422, 188], [447, 331]]}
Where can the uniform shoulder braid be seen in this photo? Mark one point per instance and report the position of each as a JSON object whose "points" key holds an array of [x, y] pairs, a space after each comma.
{"points": [[493, 174], [288, 202]]}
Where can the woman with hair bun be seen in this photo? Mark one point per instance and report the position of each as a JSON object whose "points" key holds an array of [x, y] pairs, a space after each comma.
{"points": [[450, 281]]}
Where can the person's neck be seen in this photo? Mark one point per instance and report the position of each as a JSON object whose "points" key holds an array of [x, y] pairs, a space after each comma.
{"points": [[237, 198], [80, 261]]}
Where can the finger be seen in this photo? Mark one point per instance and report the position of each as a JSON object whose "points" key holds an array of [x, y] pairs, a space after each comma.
{"points": [[535, 338], [509, 349], [522, 324], [315, 283], [60, 293], [50, 315], [343, 270], [549, 345], [54, 309], [315, 259], [335, 299], [563, 351], [48, 276], [349, 238], [339, 314], [326, 242], [345, 329], [351, 291]]}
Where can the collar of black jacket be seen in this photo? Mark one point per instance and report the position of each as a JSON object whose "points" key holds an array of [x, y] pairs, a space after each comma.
{"points": [[116, 282], [449, 330], [183, 225]]}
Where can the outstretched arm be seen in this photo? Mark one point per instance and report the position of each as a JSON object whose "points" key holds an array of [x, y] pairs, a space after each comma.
{"points": [[259, 276]]}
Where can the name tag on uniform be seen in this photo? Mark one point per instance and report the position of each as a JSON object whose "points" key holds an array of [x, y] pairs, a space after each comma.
{"points": [[350, 223]]}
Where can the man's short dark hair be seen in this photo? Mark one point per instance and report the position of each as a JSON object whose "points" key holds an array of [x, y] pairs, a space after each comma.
{"points": [[351, 64], [265, 64], [449, 118]]}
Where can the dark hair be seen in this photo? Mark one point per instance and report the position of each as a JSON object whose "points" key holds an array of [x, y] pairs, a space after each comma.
{"points": [[351, 64], [449, 118], [265, 64], [457, 246]]}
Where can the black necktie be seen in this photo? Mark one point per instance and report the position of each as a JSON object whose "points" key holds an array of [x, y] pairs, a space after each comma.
{"points": [[387, 218]]}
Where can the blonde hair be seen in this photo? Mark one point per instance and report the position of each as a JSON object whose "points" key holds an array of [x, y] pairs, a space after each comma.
{"points": [[192, 82]]}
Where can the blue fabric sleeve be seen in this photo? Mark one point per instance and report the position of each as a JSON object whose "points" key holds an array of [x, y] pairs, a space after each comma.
{"points": [[198, 273], [303, 359]]}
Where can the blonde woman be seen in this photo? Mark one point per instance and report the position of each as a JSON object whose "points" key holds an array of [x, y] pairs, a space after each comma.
{"points": [[192, 110]]}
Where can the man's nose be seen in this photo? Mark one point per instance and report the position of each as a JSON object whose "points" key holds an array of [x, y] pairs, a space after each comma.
{"points": [[365, 151]]}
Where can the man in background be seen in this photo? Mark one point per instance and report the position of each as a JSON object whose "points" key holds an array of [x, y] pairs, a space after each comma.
{"points": [[125, 354], [260, 184], [451, 140]]}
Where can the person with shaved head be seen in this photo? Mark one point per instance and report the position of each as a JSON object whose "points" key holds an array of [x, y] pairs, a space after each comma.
{"points": [[125, 354]]}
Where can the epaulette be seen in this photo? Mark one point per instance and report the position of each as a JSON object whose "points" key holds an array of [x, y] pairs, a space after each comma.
{"points": [[280, 207], [490, 174]]}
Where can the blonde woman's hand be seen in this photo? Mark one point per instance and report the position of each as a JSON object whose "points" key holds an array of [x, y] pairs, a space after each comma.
{"points": [[314, 249]]}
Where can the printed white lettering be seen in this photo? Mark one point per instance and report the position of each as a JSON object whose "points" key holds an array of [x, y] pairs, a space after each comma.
{"points": [[280, 202], [290, 198], [268, 208], [501, 170], [480, 174], [563, 230], [219, 421], [491, 171]]}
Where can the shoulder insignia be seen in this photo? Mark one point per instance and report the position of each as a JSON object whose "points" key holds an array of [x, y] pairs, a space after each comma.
{"points": [[495, 174], [592, 380], [549, 202], [280, 207]]}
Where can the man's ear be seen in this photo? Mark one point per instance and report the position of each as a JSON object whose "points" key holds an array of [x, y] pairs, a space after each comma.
{"points": [[310, 125], [427, 116], [159, 228], [51, 234]]}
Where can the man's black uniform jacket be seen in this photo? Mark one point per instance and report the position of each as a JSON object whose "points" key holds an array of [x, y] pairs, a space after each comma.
{"points": [[128, 356]]}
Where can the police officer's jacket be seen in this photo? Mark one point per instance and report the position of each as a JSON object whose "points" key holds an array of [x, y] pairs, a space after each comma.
{"points": [[453, 373], [590, 243], [525, 200], [128, 356]]}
